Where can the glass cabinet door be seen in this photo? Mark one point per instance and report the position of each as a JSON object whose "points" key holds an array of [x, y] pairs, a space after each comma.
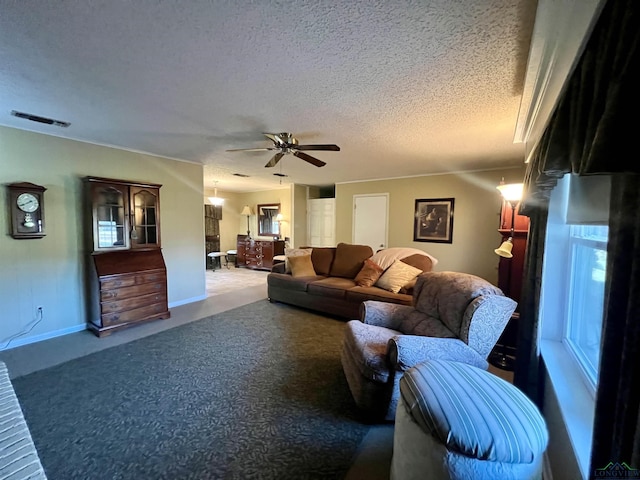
{"points": [[110, 217], [145, 217]]}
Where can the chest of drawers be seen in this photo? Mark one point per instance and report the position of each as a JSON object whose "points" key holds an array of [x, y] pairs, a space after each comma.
{"points": [[258, 254]]}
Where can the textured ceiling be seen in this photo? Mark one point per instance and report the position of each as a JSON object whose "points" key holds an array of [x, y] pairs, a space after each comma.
{"points": [[403, 87]]}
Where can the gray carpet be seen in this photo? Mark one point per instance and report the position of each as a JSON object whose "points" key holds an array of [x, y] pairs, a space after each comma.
{"points": [[255, 392]]}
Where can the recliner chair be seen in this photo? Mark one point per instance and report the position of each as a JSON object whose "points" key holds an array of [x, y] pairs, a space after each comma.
{"points": [[455, 316]]}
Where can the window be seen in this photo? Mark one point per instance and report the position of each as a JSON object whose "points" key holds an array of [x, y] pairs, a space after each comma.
{"points": [[585, 302], [571, 311]]}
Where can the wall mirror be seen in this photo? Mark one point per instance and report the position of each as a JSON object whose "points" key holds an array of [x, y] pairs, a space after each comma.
{"points": [[267, 224]]}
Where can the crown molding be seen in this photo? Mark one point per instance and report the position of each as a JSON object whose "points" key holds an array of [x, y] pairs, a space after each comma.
{"points": [[560, 32]]}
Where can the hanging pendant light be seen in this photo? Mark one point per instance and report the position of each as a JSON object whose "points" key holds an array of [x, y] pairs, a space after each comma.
{"points": [[215, 200]]}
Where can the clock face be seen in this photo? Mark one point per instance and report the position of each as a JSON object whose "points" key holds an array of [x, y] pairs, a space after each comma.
{"points": [[27, 202]]}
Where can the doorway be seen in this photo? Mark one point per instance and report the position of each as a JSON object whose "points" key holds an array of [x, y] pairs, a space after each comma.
{"points": [[321, 218], [370, 220]]}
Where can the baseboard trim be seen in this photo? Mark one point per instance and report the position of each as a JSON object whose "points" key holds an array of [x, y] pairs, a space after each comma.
{"points": [[188, 300], [19, 342]]}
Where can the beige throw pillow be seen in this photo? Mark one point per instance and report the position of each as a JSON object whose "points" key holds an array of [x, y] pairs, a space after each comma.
{"points": [[294, 252], [397, 275], [302, 266]]}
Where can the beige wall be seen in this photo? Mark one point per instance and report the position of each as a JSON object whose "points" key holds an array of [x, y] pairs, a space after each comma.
{"points": [[48, 272], [299, 237], [476, 216]]}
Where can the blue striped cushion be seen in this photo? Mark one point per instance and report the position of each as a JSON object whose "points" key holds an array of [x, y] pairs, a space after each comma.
{"points": [[473, 412], [18, 457]]}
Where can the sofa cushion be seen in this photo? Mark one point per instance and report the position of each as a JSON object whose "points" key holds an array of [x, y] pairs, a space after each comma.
{"points": [[349, 260], [387, 256], [423, 262], [397, 275], [367, 347], [287, 281], [361, 294], [322, 258], [473, 412], [331, 287], [369, 274], [301, 266]]}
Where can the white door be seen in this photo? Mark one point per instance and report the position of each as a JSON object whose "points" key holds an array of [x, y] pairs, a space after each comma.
{"points": [[322, 224], [370, 214]]}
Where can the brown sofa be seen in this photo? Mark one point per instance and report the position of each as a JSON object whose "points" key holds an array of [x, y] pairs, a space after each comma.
{"points": [[333, 289]]}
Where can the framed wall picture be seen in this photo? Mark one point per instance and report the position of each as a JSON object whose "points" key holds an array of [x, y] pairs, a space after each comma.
{"points": [[433, 220]]}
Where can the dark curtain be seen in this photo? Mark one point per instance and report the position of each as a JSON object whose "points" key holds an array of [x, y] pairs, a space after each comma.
{"points": [[590, 133], [527, 371], [616, 434]]}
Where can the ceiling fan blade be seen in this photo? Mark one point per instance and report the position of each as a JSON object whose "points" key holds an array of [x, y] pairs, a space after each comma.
{"points": [[310, 159], [276, 158], [252, 149], [333, 148], [275, 138]]}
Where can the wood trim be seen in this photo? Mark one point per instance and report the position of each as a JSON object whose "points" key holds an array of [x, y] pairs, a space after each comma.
{"points": [[127, 183]]}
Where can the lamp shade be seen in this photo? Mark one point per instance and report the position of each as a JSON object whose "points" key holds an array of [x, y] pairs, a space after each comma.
{"points": [[504, 250], [511, 192], [279, 217], [246, 210]]}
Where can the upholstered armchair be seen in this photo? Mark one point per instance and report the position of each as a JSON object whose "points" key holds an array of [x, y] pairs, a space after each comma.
{"points": [[455, 316]]}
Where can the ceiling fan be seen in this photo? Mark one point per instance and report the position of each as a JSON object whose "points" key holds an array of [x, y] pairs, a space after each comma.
{"points": [[285, 143]]}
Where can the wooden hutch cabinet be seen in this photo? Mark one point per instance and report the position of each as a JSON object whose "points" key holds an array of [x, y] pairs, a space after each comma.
{"points": [[126, 273], [510, 276], [212, 217], [258, 254]]}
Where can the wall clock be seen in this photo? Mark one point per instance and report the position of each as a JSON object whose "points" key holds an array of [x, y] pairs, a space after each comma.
{"points": [[26, 208]]}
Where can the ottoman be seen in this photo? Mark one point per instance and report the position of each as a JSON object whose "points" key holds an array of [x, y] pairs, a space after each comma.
{"points": [[456, 421], [19, 459]]}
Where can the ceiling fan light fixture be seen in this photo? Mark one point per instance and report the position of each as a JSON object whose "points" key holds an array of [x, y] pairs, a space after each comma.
{"points": [[285, 143]]}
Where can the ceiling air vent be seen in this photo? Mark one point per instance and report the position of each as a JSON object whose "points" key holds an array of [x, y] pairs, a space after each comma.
{"points": [[280, 175], [241, 175], [36, 118]]}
